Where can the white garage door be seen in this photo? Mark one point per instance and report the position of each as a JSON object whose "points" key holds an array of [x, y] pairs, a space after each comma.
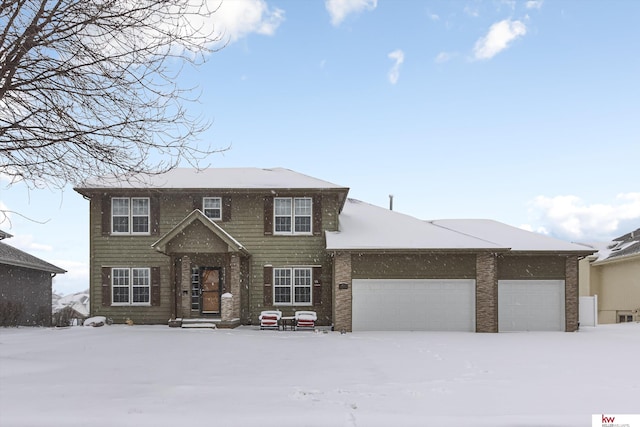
{"points": [[414, 305], [531, 305]]}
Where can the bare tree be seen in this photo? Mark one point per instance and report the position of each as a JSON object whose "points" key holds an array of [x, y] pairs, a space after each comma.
{"points": [[88, 87]]}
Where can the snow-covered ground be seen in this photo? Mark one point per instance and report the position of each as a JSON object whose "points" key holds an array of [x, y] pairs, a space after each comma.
{"points": [[158, 376]]}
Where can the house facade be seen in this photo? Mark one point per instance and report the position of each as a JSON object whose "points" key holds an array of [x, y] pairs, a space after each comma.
{"points": [[225, 244], [25, 287], [613, 274]]}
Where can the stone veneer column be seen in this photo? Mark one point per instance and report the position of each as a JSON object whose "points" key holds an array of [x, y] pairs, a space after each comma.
{"points": [[234, 285], [486, 292], [185, 291], [571, 294], [227, 307], [342, 307]]}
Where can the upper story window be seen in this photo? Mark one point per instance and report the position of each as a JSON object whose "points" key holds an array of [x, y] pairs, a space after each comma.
{"points": [[130, 215], [212, 207], [292, 215]]}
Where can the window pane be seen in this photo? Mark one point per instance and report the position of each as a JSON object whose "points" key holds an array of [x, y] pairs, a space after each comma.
{"points": [[283, 223], [120, 282], [120, 224], [282, 295], [120, 295], [140, 206], [303, 295], [140, 294], [303, 224], [140, 224], [303, 206], [302, 285], [141, 285], [120, 206], [282, 206]]}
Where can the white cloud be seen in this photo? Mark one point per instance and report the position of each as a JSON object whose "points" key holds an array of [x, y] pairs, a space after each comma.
{"points": [[500, 35], [339, 9], [568, 217], [394, 73], [471, 11], [534, 4], [238, 18], [434, 17], [444, 57]]}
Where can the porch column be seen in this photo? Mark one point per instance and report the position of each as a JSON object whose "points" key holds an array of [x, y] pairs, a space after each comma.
{"points": [[571, 294], [342, 307], [234, 267], [486, 292], [184, 293]]}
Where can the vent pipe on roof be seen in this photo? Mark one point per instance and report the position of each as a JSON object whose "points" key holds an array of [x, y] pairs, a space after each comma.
{"points": [[390, 202]]}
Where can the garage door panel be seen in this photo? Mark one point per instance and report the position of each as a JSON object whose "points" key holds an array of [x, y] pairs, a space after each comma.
{"points": [[531, 305], [413, 304]]}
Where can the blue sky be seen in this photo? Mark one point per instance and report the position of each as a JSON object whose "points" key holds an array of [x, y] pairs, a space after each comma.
{"points": [[526, 112]]}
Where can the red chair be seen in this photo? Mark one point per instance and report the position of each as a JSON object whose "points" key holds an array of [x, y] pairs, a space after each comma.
{"points": [[306, 319], [270, 319]]}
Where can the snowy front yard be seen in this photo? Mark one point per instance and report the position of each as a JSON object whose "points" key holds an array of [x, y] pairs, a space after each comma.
{"points": [[158, 376]]}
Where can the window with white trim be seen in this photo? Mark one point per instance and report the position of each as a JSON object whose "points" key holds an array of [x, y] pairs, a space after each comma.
{"points": [[292, 286], [292, 215], [130, 215], [131, 286], [212, 207]]}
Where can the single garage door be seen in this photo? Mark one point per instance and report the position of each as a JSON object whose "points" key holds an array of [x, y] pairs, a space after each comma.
{"points": [[414, 305], [531, 305]]}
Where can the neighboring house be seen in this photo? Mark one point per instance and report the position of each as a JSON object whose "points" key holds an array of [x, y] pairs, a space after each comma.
{"points": [[71, 309], [613, 274], [225, 244], [25, 287]]}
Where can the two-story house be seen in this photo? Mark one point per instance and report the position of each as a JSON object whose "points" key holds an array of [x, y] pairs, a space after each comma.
{"points": [[183, 244]]}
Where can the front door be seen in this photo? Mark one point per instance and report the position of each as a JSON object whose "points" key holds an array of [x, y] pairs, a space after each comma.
{"points": [[210, 286]]}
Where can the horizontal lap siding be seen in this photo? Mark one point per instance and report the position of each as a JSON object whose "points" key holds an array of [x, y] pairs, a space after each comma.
{"points": [[246, 225], [413, 266]]}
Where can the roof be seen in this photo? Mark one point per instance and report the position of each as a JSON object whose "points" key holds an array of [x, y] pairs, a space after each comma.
{"points": [[621, 247], [15, 257], [219, 178], [517, 239], [367, 227], [197, 215], [4, 235]]}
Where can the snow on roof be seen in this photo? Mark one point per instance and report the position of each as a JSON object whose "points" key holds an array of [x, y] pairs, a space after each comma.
{"points": [[78, 301], [508, 236], [15, 257], [364, 226], [232, 178]]}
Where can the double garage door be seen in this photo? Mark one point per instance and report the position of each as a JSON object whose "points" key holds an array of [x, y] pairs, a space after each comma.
{"points": [[450, 305]]}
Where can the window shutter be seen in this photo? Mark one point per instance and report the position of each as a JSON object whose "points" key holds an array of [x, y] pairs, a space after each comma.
{"points": [[268, 216], [155, 286], [268, 288], [106, 215], [317, 215], [226, 208], [317, 286], [106, 286], [155, 215]]}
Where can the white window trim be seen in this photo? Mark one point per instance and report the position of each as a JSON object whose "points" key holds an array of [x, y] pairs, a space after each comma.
{"points": [[293, 286], [131, 232], [203, 209], [130, 286], [292, 232]]}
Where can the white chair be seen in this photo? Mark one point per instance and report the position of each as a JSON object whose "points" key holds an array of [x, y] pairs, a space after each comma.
{"points": [[306, 319], [270, 319]]}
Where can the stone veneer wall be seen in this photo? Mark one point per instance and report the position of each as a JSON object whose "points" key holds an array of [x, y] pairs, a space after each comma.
{"points": [[342, 297], [185, 291], [234, 267], [486, 293], [571, 294]]}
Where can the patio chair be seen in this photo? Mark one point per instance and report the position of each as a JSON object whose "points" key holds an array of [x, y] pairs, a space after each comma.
{"points": [[270, 319], [306, 319]]}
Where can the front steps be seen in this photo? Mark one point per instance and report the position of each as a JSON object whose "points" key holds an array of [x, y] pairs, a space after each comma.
{"points": [[204, 323]]}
